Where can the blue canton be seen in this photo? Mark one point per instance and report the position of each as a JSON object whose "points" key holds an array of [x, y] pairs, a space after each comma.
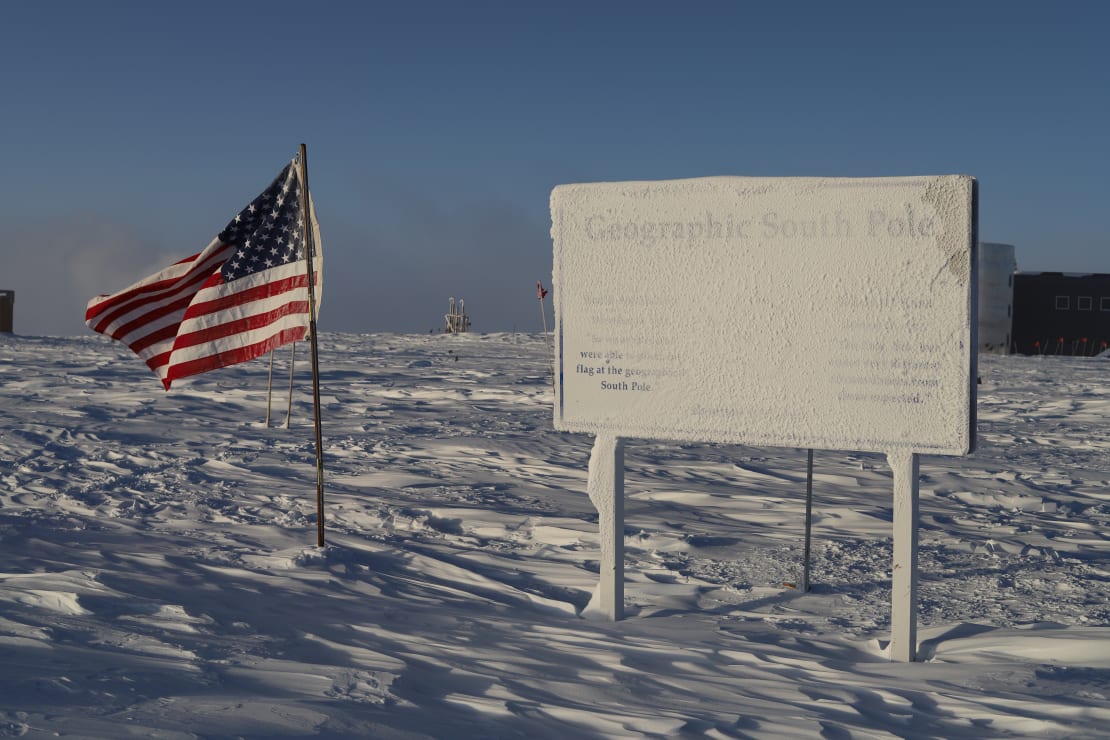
{"points": [[269, 232]]}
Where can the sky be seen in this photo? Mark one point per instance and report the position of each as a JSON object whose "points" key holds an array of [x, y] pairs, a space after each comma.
{"points": [[435, 131]]}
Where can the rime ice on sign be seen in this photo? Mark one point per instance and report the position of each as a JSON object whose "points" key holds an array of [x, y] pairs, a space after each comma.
{"points": [[797, 312]]}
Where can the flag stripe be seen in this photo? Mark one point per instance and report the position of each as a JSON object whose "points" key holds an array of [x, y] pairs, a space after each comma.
{"points": [[249, 337], [158, 361], [102, 302], [150, 328], [232, 356], [148, 313], [156, 290], [277, 287], [241, 325]]}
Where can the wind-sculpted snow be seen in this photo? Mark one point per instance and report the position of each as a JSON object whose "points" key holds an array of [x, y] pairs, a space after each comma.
{"points": [[160, 578]]}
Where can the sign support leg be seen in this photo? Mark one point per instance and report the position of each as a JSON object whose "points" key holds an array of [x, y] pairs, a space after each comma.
{"points": [[804, 585], [903, 612], [606, 489]]}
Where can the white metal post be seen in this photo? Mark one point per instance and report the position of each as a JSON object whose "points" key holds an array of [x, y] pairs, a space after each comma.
{"points": [[903, 611], [606, 489]]}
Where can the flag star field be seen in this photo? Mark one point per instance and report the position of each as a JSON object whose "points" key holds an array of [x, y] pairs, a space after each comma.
{"points": [[269, 231]]}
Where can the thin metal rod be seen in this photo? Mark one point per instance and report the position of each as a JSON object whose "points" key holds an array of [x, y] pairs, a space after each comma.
{"points": [[547, 344], [292, 363], [310, 252], [809, 521], [269, 387]]}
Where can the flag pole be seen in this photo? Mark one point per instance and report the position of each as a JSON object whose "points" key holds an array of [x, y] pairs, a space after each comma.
{"points": [[310, 250]]}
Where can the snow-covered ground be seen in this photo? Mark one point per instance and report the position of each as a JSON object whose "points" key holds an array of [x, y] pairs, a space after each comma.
{"points": [[160, 578]]}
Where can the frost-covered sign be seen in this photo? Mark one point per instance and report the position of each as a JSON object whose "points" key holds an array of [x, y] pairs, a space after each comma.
{"points": [[797, 312]]}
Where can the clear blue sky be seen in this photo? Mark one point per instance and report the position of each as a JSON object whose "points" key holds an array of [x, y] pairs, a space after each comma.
{"points": [[436, 130]]}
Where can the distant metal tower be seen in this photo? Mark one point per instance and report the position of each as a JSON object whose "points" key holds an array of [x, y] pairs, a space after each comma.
{"points": [[456, 321]]}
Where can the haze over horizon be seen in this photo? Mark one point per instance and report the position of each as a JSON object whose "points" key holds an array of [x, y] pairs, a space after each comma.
{"points": [[436, 131]]}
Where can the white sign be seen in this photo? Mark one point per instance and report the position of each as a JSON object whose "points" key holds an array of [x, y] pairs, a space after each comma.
{"points": [[795, 312]]}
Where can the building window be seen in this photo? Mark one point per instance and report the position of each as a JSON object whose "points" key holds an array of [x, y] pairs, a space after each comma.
{"points": [[1104, 303], [1084, 303], [1063, 303]]}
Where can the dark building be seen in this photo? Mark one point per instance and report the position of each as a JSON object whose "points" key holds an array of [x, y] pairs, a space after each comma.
{"points": [[7, 308], [1059, 313]]}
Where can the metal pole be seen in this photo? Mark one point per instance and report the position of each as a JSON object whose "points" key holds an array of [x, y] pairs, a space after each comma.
{"points": [[269, 387], [310, 251], [292, 363], [809, 522], [543, 317]]}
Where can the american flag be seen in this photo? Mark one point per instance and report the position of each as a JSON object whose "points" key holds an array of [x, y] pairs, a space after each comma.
{"points": [[243, 295]]}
